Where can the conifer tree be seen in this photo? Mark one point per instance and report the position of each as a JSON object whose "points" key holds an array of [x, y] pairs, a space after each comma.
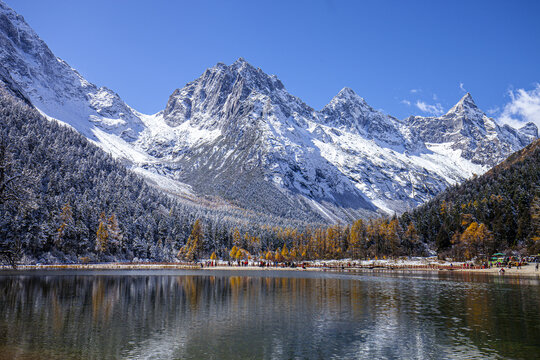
{"points": [[115, 234], [66, 229]]}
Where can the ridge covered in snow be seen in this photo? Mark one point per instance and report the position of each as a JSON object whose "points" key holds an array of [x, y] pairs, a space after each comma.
{"points": [[235, 133], [55, 88]]}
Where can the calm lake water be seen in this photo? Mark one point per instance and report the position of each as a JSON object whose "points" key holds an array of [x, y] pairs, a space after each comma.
{"points": [[266, 315]]}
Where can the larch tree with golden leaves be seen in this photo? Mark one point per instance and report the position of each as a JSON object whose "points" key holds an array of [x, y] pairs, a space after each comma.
{"points": [[102, 235], [232, 253], [285, 252], [468, 241], [194, 247]]}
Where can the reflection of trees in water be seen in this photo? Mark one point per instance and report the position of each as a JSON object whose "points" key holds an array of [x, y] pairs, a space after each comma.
{"points": [[238, 316]]}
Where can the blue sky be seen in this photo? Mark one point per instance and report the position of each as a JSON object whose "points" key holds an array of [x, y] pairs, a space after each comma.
{"points": [[403, 57]]}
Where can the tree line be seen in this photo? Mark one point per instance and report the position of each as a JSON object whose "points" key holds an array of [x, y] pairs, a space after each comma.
{"points": [[63, 199]]}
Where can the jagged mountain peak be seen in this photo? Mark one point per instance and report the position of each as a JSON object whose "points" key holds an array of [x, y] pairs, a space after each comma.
{"points": [[346, 103], [228, 92], [241, 63], [466, 107], [467, 100], [349, 112], [253, 77], [529, 129], [348, 95]]}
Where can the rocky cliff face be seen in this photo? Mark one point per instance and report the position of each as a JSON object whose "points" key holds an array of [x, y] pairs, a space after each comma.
{"points": [[236, 134]]}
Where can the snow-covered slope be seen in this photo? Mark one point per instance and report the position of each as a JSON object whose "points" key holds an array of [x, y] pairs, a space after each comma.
{"points": [[236, 134], [467, 130], [54, 87]]}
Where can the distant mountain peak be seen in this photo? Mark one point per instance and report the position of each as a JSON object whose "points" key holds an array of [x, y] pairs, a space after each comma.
{"points": [[348, 94], [240, 61], [241, 64], [466, 106], [346, 91], [529, 129], [467, 98]]}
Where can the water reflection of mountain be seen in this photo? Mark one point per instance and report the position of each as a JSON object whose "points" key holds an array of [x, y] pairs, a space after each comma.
{"points": [[217, 316]]}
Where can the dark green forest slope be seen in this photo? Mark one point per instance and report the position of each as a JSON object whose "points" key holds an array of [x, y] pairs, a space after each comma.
{"points": [[497, 211]]}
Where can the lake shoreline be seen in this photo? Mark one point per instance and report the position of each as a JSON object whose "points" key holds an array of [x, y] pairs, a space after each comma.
{"points": [[525, 271]]}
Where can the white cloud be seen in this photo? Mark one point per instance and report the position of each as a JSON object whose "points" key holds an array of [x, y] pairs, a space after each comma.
{"points": [[461, 87], [494, 110], [435, 98], [406, 102], [414, 91], [523, 107], [430, 109]]}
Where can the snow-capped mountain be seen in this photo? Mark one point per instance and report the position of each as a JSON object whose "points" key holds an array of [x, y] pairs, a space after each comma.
{"points": [[237, 135], [350, 113], [56, 89], [467, 129]]}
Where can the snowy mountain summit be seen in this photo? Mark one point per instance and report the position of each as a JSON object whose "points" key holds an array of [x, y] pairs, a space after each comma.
{"points": [[52, 86], [478, 138], [236, 136]]}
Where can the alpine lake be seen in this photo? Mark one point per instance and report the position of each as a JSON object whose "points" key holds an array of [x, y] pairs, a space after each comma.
{"points": [[239, 314]]}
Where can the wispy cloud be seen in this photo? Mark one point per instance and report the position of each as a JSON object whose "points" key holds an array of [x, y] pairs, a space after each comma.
{"points": [[523, 107], [435, 109], [494, 110], [406, 102], [435, 98], [414, 91], [462, 87]]}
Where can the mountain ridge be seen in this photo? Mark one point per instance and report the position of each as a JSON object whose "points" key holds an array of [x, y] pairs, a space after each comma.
{"points": [[236, 133]]}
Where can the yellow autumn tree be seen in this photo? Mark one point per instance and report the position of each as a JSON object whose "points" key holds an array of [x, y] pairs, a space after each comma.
{"points": [[232, 253], [102, 235], [285, 252], [194, 247], [468, 241], [277, 255], [355, 239]]}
